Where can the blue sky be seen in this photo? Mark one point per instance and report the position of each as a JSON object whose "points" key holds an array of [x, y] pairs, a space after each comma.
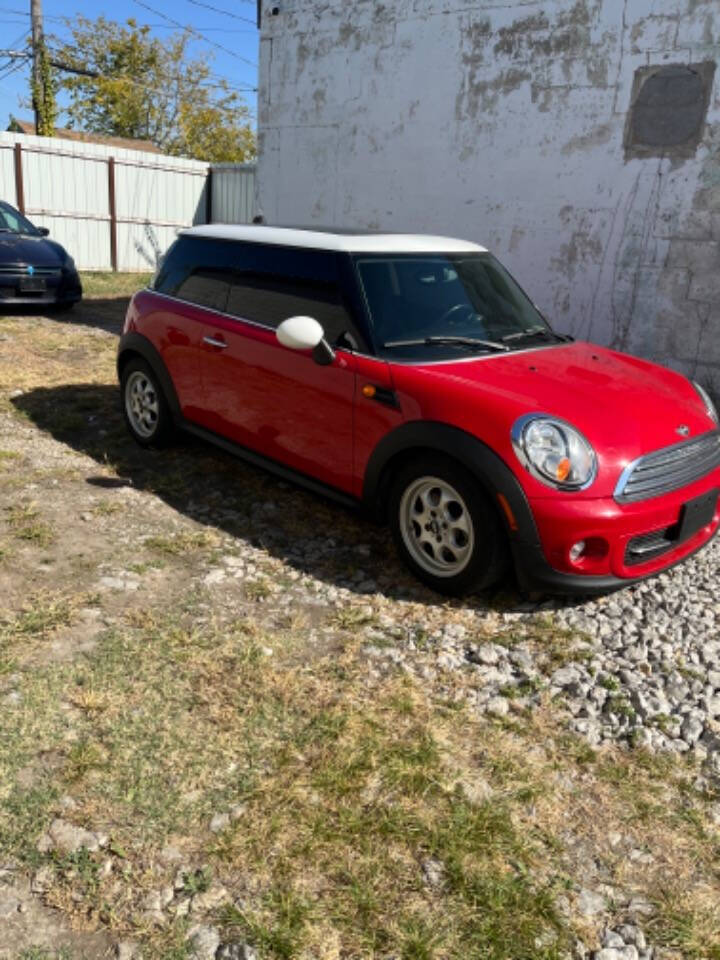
{"points": [[228, 29]]}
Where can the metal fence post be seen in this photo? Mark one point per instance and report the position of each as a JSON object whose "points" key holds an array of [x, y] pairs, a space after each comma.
{"points": [[208, 196], [19, 184], [113, 214]]}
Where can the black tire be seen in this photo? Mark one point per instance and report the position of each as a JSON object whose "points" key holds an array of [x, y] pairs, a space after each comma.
{"points": [[486, 552], [151, 427], [63, 307]]}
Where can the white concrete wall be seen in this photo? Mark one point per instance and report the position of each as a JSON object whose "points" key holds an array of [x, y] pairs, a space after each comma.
{"points": [[503, 121]]}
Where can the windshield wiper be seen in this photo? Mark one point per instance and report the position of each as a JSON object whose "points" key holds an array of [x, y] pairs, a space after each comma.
{"points": [[530, 332], [462, 341], [535, 332]]}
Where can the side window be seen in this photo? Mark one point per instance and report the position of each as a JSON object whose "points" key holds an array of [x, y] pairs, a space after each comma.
{"points": [[9, 220], [198, 270], [274, 283]]}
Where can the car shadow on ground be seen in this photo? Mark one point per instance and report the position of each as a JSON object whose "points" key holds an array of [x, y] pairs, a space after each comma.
{"points": [[309, 533], [99, 313]]}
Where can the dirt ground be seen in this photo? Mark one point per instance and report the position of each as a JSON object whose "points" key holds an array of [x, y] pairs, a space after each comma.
{"points": [[188, 674]]}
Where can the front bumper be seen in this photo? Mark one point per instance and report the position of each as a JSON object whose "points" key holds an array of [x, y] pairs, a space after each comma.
{"points": [[63, 287], [612, 529]]}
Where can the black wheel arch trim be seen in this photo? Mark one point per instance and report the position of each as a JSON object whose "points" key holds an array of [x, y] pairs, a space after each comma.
{"points": [[490, 469], [136, 343]]}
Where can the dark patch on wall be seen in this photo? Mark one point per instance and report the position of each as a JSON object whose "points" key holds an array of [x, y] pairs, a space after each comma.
{"points": [[668, 110]]}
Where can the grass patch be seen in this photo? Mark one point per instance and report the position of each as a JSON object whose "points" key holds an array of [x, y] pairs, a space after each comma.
{"points": [[40, 616], [348, 788], [106, 284], [181, 544], [25, 521]]}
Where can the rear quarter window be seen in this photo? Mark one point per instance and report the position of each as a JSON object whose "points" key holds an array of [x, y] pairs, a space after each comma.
{"points": [[198, 270], [259, 282]]}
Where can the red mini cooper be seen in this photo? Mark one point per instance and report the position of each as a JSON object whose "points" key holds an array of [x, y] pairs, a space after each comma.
{"points": [[412, 375]]}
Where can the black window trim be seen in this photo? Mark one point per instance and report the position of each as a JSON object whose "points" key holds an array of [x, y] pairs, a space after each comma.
{"points": [[360, 331], [252, 323]]}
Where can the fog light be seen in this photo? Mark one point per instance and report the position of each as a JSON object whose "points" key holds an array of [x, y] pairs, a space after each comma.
{"points": [[576, 551]]}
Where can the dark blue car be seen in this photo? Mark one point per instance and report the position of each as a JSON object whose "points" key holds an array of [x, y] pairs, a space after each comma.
{"points": [[33, 269]]}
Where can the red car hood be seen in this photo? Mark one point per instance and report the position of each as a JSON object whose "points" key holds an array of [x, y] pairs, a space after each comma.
{"points": [[625, 406]]}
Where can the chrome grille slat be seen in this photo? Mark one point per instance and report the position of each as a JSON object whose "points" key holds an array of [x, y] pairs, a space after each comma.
{"points": [[669, 469], [660, 473], [674, 455], [21, 271]]}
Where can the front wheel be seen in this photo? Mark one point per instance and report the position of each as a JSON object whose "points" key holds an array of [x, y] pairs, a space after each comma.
{"points": [[145, 408], [445, 528]]}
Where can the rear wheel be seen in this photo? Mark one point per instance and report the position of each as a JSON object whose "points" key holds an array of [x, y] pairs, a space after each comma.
{"points": [[445, 528], [145, 408]]}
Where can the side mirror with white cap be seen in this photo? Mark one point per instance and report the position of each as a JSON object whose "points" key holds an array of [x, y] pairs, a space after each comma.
{"points": [[305, 333]]}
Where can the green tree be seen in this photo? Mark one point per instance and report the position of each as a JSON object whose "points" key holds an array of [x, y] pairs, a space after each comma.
{"points": [[151, 89]]}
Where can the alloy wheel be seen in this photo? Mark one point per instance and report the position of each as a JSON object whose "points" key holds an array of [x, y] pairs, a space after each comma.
{"points": [[142, 404], [436, 526]]}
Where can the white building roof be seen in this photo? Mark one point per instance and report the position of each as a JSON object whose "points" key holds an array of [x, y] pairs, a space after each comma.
{"points": [[345, 241]]}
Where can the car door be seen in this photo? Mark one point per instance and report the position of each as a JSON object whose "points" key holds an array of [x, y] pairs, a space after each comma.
{"points": [[192, 285], [276, 401]]}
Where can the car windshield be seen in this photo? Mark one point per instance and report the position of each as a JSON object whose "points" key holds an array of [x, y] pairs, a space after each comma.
{"points": [[438, 307], [13, 222]]}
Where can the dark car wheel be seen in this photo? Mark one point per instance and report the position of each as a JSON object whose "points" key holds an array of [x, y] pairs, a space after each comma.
{"points": [[445, 528], [63, 307], [144, 406]]}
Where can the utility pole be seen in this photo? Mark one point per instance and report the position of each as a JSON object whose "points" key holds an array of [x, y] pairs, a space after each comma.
{"points": [[38, 89]]}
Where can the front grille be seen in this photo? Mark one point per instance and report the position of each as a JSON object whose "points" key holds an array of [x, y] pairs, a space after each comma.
{"points": [[669, 469], [22, 271]]}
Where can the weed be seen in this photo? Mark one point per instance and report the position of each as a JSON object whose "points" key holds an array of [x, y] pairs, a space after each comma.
{"points": [[257, 590], [197, 882], [352, 618], [25, 523], [181, 543]]}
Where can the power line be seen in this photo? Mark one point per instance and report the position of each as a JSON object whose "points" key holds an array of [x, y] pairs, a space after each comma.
{"points": [[152, 26], [124, 77], [226, 13], [121, 78], [192, 30]]}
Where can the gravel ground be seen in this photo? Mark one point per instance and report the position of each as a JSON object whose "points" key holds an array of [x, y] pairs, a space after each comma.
{"points": [[644, 664]]}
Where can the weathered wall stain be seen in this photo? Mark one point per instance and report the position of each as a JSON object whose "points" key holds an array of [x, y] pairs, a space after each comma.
{"points": [[506, 122]]}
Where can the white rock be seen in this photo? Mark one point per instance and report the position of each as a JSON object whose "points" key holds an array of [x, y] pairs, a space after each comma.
{"points": [[219, 822], [67, 838], [498, 707], [203, 941], [589, 903], [127, 950]]}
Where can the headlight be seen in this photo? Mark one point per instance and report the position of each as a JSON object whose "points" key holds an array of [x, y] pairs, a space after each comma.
{"points": [[709, 405], [554, 452]]}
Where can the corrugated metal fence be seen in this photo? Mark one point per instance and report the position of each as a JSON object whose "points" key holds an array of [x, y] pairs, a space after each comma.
{"points": [[233, 192], [116, 209]]}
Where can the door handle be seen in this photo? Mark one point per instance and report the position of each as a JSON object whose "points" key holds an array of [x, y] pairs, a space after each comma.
{"points": [[212, 342]]}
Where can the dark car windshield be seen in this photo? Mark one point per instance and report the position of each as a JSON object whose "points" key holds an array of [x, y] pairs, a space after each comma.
{"points": [[15, 222], [441, 306]]}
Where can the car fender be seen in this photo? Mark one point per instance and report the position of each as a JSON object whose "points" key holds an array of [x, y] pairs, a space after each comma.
{"points": [[136, 343], [490, 469]]}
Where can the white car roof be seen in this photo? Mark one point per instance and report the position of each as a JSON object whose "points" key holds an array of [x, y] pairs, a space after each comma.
{"points": [[345, 241]]}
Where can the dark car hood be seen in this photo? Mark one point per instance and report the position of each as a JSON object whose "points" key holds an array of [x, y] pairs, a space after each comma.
{"points": [[21, 248]]}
